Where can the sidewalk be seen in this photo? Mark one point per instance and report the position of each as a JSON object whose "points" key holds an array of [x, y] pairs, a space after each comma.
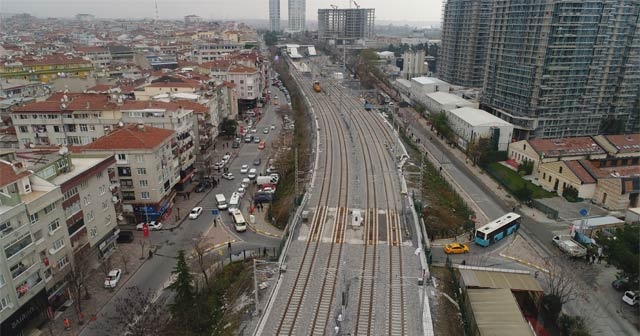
{"points": [[131, 254]]}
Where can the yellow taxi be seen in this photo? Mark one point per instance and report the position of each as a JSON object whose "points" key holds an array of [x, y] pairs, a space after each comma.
{"points": [[456, 248]]}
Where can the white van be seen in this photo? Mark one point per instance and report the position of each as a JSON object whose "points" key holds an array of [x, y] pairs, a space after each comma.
{"points": [[233, 202], [238, 221], [221, 201]]}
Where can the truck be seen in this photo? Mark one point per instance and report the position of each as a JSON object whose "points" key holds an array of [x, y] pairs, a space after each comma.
{"points": [[261, 180], [569, 246]]}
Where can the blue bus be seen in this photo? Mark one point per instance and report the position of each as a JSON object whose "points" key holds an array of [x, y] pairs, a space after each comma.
{"points": [[497, 229]]}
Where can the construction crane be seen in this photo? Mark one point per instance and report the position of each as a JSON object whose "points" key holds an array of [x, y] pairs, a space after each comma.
{"points": [[334, 6], [356, 4]]}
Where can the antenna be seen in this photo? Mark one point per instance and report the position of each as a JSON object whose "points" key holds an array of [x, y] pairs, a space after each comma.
{"points": [[157, 17]]}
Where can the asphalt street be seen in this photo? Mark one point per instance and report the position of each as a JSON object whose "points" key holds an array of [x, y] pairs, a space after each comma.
{"points": [[154, 274]]}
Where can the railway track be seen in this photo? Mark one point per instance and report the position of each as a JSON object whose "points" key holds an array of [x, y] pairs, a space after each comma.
{"points": [[288, 324]]}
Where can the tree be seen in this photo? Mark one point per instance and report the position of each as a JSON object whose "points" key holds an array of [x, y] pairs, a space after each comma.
{"points": [[137, 313], [105, 266], [270, 38], [228, 127], [624, 250], [125, 262], [142, 242], [78, 276], [183, 286], [570, 193], [199, 247], [561, 286], [573, 325]]}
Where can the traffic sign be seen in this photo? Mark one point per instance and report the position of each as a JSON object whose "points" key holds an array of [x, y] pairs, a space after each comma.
{"points": [[214, 212], [584, 212]]}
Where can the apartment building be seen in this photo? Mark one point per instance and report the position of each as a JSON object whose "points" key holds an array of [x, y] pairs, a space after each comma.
{"points": [[339, 24], [100, 57], [147, 169], [413, 64], [247, 82], [576, 70], [54, 206], [465, 32], [46, 68], [167, 85], [212, 51]]}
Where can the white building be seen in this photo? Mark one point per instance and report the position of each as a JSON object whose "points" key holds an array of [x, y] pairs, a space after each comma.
{"points": [[413, 64], [437, 102], [246, 79], [471, 124]]}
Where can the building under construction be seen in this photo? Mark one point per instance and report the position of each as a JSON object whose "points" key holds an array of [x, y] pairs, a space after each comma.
{"points": [[345, 23]]}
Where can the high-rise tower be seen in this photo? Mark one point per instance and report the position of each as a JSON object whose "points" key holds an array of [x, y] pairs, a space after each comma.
{"points": [[297, 18], [558, 68], [274, 15]]}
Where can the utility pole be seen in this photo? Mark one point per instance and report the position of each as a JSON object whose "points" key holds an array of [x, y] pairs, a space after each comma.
{"points": [[295, 169], [255, 286]]}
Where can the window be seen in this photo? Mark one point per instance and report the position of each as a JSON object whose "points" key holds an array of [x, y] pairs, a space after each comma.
{"points": [[107, 220], [128, 195], [63, 262], [90, 216], [560, 170], [58, 244], [99, 175], [5, 227], [102, 189], [70, 193], [93, 232], [139, 158], [4, 303], [87, 199], [83, 128], [126, 183], [56, 129], [84, 185], [144, 195], [24, 129], [124, 171], [53, 226], [33, 218], [105, 205], [144, 183], [49, 208], [142, 171], [2, 282], [121, 157]]}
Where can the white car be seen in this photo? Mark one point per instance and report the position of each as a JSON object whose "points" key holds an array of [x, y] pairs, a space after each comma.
{"points": [[265, 130], [195, 213], [228, 176], [273, 127], [244, 169], [256, 140], [245, 182], [218, 165], [267, 190], [226, 157], [111, 281], [254, 130], [241, 191], [252, 173], [631, 298], [152, 226]]}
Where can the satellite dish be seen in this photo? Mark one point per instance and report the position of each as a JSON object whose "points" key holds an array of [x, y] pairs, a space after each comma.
{"points": [[114, 198], [120, 123], [31, 145], [63, 150]]}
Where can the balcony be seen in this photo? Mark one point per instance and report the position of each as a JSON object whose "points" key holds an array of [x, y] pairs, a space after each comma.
{"points": [[24, 267], [19, 246], [28, 285], [10, 199]]}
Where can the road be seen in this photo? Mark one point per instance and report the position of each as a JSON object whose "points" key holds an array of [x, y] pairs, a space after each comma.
{"points": [[154, 274]]}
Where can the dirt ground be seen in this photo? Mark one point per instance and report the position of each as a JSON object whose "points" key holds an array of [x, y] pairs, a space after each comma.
{"points": [[446, 317]]}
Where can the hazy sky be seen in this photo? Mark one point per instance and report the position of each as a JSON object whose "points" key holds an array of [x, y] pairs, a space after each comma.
{"points": [[397, 10]]}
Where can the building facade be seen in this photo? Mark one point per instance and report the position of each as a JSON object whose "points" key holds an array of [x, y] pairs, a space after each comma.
{"points": [[465, 32], [413, 64], [274, 15], [346, 23], [297, 16], [46, 68], [575, 73], [147, 169]]}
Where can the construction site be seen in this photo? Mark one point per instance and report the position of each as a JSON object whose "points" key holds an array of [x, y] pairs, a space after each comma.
{"points": [[346, 24]]}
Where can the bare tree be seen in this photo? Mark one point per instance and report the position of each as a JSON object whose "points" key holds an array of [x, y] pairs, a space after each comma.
{"points": [[200, 248], [561, 282], [105, 266], [77, 277], [142, 243], [125, 261], [138, 313]]}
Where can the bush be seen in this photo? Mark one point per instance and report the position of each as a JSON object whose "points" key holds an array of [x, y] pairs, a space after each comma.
{"points": [[572, 325], [515, 184], [526, 167], [571, 194]]}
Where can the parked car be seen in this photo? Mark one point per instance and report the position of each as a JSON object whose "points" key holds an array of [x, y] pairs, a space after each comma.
{"points": [[244, 169], [218, 165], [153, 226], [228, 176], [111, 281], [256, 140], [195, 213], [226, 157], [273, 127], [271, 170], [252, 173], [631, 298], [241, 191], [268, 190], [245, 182], [235, 144], [257, 161], [201, 186], [125, 237], [265, 130], [262, 145], [456, 248], [620, 285]]}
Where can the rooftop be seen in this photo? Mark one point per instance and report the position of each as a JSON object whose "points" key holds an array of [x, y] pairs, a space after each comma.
{"points": [[566, 146], [576, 166], [427, 80], [239, 68], [498, 278], [9, 175], [131, 136], [496, 313], [477, 117], [624, 143], [80, 165], [446, 98], [599, 221]]}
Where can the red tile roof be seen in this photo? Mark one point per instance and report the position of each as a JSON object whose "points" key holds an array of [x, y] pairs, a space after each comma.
{"points": [[189, 105], [91, 49], [566, 146], [238, 68], [577, 168], [8, 175], [151, 104], [131, 137], [54, 59], [40, 107], [625, 143], [219, 64], [175, 84], [90, 102]]}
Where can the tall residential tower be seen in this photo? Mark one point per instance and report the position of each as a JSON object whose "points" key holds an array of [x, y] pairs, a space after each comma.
{"points": [[558, 68], [274, 15], [297, 18], [465, 30]]}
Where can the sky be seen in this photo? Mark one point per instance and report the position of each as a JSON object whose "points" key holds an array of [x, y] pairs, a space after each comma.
{"points": [[392, 10]]}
